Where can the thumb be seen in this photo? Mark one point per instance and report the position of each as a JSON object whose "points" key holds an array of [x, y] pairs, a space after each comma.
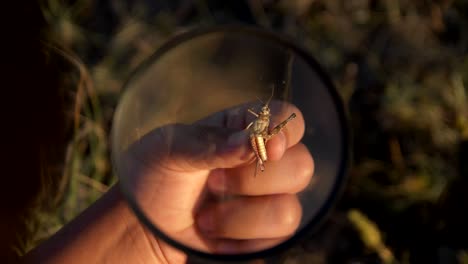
{"points": [[168, 168], [195, 147]]}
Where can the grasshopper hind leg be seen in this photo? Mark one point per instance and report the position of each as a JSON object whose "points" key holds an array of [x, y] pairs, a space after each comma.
{"points": [[279, 127]]}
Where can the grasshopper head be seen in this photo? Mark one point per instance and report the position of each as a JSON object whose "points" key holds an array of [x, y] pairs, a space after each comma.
{"points": [[265, 111]]}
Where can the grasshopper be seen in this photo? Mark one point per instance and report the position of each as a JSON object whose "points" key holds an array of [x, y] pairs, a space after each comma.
{"points": [[259, 133]]}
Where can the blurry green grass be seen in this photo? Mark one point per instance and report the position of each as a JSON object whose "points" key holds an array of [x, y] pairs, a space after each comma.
{"points": [[422, 102]]}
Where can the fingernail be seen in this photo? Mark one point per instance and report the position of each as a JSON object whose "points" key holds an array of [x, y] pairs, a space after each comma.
{"points": [[283, 142]]}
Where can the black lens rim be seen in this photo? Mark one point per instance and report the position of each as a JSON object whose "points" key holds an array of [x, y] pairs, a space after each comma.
{"points": [[345, 134]]}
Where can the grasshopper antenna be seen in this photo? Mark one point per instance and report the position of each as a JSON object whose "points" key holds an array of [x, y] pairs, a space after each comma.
{"points": [[271, 97], [259, 100]]}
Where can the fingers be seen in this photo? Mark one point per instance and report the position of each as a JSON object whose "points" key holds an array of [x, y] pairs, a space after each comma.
{"points": [[190, 148], [218, 141], [291, 174], [257, 217], [238, 117]]}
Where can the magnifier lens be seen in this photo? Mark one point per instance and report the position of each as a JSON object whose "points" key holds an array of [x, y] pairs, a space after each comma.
{"points": [[192, 78]]}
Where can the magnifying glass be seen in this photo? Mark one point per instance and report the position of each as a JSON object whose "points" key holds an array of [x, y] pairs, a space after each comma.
{"points": [[203, 72]]}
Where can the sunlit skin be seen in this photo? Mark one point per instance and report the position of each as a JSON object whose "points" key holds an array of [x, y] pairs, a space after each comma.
{"points": [[181, 176]]}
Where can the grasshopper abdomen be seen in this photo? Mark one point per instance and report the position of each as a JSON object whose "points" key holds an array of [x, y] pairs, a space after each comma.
{"points": [[258, 145], [260, 142], [260, 135]]}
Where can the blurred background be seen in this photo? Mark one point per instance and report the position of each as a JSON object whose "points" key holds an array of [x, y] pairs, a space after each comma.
{"points": [[400, 66]]}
